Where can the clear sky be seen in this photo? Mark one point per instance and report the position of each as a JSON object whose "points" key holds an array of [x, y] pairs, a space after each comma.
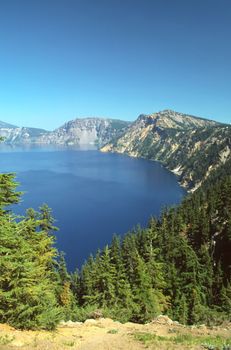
{"points": [[62, 59]]}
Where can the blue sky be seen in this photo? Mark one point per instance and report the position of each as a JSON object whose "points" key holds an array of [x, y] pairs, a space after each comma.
{"points": [[62, 59]]}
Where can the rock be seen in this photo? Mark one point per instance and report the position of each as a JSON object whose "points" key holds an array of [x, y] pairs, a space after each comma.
{"points": [[90, 322], [70, 323], [163, 319], [83, 131], [174, 139], [96, 314], [17, 343]]}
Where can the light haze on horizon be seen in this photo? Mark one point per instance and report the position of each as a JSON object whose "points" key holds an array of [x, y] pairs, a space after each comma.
{"points": [[63, 59]]}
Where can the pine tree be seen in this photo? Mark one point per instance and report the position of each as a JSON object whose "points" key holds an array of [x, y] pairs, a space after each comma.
{"points": [[8, 194], [27, 284], [88, 279], [225, 299], [124, 304], [181, 311], [146, 298], [105, 294], [27, 291]]}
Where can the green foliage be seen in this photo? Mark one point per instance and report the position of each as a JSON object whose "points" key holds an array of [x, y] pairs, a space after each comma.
{"points": [[113, 331], [179, 265], [83, 313], [8, 195], [66, 295], [69, 343], [207, 342], [27, 284], [6, 339]]}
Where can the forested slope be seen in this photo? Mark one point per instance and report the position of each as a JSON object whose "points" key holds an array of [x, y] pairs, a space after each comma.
{"points": [[179, 265]]}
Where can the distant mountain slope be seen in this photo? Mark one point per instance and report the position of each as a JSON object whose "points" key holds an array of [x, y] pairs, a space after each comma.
{"points": [[7, 126], [189, 146], [16, 135], [84, 131], [174, 120], [97, 131]]}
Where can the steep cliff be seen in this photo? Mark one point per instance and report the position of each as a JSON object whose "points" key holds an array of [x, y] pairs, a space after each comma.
{"points": [[189, 146], [97, 131], [20, 135]]}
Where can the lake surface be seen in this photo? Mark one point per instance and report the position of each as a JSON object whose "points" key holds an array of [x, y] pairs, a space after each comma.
{"points": [[92, 194]]}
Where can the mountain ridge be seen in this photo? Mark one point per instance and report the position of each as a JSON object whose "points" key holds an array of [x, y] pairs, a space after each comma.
{"points": [[84, 131], [189, 146], [180, 146], [178, 120], [8, 131], [178, 265], [89, 130]]}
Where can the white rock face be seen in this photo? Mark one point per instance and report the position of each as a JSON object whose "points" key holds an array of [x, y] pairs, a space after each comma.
{"points": [[189, 146], [17, 135], [154, 127], [176, 120], [87, 131]]}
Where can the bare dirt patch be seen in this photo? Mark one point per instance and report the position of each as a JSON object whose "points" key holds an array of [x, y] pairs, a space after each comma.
{"points": [[106, 334]]}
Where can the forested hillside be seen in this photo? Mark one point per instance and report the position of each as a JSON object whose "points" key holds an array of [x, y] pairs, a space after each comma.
{"points": [[179, 265]]}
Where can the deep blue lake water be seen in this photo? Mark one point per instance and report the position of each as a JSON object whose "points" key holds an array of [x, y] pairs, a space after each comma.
{"points": [[92, 194]]}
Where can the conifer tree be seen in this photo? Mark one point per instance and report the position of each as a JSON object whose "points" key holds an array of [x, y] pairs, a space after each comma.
{"points": [[27, 287], [88, 278], [8, 194], [105, 282], [123, 304], [146, 298]]}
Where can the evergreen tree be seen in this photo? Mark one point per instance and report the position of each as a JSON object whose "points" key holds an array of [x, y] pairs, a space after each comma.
{"points": [[146, 298], [105, 293], [27, 290], [124, 304], [8, 194], [27, 285]]}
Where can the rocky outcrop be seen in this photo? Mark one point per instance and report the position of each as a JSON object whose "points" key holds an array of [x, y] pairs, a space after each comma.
{"points": [[189, 146], [16, 135], [97, 131]]}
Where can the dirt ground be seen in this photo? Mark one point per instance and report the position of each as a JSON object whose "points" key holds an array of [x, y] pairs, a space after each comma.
{"points": [[106, 334]]}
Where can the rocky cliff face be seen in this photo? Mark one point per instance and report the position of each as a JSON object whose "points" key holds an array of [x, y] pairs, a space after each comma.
{"points": [[96, 131], [189, 146], [15, 135]]}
